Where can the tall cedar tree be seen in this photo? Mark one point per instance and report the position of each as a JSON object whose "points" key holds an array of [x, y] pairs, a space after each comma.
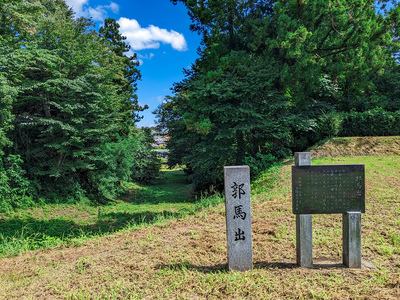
{"points": [[110, 32], [268, 70]]}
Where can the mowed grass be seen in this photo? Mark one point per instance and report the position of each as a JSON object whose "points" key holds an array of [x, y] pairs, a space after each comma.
{"points": [[186, 258], [381, 222], [69, 225]]}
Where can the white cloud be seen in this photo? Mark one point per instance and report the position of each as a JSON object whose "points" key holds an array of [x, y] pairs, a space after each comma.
{"points": [[114, 7], [77, 6], [147, 56], [81, 8], [149, 38], [129, 53], [98, 13]]}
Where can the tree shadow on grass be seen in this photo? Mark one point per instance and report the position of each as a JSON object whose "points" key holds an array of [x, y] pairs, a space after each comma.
{"points": [[171, 189], [218, 268], [292, 265], [61, 229], [151, 196], [223, 267], [186, 266]]}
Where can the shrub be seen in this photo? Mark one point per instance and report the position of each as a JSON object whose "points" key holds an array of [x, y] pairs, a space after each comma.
{"points": [[125, 160], [15, 188], [260, 163], [328, 125], [376, 122]]}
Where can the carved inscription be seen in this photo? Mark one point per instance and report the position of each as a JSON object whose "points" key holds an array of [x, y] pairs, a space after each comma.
{"points": [[237, 191], [238, 217], [328, 189]]}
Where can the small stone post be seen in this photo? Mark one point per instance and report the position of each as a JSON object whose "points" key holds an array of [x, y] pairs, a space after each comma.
{"points": [[352, 239], [238, 218], [304, 246]]}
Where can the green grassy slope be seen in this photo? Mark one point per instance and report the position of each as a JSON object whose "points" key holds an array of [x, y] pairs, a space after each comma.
{"points": [[186, 258]]}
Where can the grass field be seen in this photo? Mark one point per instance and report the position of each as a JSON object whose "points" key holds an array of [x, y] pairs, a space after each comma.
{"points": [[186, 258], [55, 225]]}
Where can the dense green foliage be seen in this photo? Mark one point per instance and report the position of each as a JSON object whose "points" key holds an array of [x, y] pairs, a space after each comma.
{"points": [[67, 103], [377, 122], [274, 77]]}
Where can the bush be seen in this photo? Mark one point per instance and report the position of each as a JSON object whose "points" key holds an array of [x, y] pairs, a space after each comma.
{"points": [[328, 125], [125, 160], [15, 188], [376, 122], [146, 167], [260, 163]]}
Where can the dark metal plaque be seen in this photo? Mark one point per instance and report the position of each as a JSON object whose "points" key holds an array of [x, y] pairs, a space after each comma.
{"points": [[328, 189]]}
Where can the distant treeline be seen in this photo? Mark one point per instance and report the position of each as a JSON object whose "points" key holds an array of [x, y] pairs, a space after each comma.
{"points": [[67, 107], [274, 77]]}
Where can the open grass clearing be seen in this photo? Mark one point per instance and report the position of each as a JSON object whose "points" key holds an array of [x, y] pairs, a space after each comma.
{"points": [[186, 258], [69, 225]]}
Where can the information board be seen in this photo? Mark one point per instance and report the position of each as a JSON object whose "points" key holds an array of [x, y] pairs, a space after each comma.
{"points": [[328, 189]]}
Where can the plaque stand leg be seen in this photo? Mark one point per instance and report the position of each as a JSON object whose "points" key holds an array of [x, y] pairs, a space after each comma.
{"points": [[304, 247], [352, 239]]}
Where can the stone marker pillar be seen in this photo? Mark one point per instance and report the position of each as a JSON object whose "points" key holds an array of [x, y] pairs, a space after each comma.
{"points": [[238, 218], [304, 247], [352, 239]]}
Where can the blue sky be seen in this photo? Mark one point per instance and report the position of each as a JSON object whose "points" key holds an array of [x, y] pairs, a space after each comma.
{"points": [[158, 32]]}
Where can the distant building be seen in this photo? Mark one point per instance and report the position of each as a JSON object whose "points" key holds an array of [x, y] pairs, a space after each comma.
{"points": [[160, 141], [162, 153]]}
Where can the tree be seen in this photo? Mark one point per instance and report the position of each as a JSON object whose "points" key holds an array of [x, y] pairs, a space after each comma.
{"points": [[316, 40], [67, 107], [225, 96], [267, 73], [116, 42], [72, 94], [14, 187]]}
